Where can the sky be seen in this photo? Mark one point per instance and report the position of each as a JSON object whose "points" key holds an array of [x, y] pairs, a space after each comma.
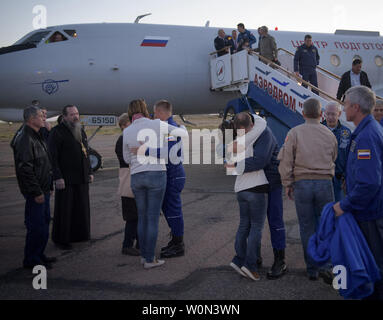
{"points": [[17, 17]]}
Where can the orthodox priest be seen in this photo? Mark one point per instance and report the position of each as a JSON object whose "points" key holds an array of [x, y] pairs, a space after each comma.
{"points": [[71, 174]]}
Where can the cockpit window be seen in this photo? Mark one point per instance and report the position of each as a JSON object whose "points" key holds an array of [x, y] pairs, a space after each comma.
{"points": [[57, 37], [36, 38], [71, 33]]}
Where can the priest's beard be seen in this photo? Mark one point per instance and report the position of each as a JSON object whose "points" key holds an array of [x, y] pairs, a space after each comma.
{"points": [[75, 128]]}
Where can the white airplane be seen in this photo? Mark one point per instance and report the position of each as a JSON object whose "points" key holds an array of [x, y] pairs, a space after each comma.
{"points": [[101, 67]]}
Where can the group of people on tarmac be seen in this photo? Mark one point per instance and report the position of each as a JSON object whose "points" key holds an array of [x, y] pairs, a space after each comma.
{"points": [[148, 185], [48, 159], [318, 164]]}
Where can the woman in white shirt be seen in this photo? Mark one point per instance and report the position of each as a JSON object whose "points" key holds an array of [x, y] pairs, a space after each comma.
{"points": [[148, 174]]}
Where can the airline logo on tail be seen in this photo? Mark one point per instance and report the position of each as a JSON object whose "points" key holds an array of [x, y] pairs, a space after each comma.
{"points": [[152, 41]]}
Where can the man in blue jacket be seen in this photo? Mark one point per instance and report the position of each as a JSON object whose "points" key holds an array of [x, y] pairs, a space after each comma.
{"points": [[306, 60], [332, 113], [364, 174], [172, 204], [245, 35]]}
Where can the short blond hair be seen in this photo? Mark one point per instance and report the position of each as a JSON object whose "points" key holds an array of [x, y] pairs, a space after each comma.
{"points": [[123, 119], [165, 105]]}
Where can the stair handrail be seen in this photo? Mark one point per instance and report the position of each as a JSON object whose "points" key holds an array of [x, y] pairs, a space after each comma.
{"points": [[224, 48], [324, 70], [292, 74], [319, 67]]}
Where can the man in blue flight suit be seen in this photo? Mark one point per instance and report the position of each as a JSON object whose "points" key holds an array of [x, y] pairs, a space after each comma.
{"points": [[364, 174], [172, 204], [245, 35], [306, 60], [332, 113]]}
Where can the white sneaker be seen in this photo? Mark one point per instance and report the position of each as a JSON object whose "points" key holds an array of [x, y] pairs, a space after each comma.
{"points": [[155, 263], [238, 269], [143, 261], [251, 274]]}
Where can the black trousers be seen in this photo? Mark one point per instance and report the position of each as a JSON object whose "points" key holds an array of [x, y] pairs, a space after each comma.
{"points": [[129, 213], [71, 222]]}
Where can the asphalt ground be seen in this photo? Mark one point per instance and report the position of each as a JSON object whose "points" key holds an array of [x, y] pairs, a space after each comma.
{"points": [[97, 270]]}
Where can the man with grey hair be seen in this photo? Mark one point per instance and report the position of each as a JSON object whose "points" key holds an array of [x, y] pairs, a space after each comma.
{"points": [[378, 111], [34, 176], [364, 174], [307, 168], [221, 43], [332, 113], [72, 174], [267, 47]]}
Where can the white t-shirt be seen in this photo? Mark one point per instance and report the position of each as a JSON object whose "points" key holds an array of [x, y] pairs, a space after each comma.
{"points": [[155, 132]]}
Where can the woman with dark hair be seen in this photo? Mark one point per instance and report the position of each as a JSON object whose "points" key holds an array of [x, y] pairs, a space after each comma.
{"points": [[148, 174], [129, 209]]}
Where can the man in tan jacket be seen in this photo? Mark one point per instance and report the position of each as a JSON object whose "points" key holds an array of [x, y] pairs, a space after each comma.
{"points": [[307, 166]]}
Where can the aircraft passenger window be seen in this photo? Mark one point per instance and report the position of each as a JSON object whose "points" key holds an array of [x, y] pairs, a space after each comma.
{"points": [[335, 60], [71, 33], [36, 37], [57, 37], [379, 61]]}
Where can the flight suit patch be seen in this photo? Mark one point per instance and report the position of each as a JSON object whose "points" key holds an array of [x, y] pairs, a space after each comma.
{"points": [[364, 154]]}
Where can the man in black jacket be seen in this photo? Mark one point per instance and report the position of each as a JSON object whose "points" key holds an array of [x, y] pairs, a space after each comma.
{"points": [[221, 43], [72, 174], [34, 176], [354, 77]]}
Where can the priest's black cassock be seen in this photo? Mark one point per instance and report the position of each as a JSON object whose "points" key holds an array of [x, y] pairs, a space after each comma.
{"points": [[70, 161]]}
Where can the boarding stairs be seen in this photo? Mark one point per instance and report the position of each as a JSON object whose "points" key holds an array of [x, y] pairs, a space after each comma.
{"points": [[270, 90]]}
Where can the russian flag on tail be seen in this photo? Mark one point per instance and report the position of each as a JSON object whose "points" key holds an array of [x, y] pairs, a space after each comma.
{"points": [[152, 41]]}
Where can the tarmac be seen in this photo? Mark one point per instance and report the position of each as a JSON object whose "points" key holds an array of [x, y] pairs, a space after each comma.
{"points": [[97, 269]]}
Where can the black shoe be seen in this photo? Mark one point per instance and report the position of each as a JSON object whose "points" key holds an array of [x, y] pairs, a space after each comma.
{"points": [[279, 267], [170, 243], [176, 250], [130, 251], [327, 276], [173, 241], [64, 246], [46, 259]]}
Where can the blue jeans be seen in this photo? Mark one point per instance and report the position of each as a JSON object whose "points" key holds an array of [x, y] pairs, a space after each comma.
{"points": [[149, 189], [37, 218], [252, 210], [310, 198]]}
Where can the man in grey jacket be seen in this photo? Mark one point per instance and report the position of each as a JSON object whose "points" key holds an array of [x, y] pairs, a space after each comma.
{"points": [[267, 47]]}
